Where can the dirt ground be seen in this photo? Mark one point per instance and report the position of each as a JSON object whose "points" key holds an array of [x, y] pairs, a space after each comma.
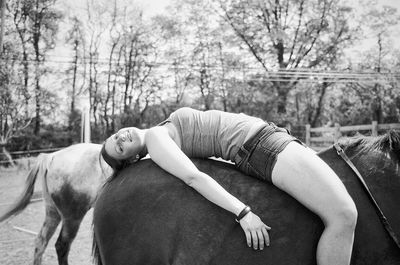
{"points": [[16, 239]]}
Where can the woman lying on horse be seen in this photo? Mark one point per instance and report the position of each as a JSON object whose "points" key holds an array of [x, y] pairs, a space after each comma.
{"points": [[258, 149]]}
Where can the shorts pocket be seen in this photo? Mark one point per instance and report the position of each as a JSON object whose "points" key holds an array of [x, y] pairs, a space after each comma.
{"points": [[258, 162]]}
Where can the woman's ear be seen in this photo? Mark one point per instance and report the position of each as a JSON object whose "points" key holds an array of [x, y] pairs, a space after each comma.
{"points": [[133, 159]]}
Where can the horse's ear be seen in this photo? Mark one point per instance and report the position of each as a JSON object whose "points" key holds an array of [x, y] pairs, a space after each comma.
{"points": [[394, 140], [131, 160], [391, 142]]}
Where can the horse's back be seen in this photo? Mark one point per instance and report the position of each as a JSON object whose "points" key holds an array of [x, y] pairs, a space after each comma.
{"points": [[75, 155], [74, 175], [147, 216]]}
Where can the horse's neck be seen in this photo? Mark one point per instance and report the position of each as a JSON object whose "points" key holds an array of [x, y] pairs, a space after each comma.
{"points": [[381, 175]]}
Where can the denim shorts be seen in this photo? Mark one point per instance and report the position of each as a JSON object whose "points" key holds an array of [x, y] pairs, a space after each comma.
{"points": [[258, 155]]}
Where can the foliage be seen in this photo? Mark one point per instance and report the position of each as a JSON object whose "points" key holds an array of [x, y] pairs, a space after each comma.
{"points": [[233, 55]]}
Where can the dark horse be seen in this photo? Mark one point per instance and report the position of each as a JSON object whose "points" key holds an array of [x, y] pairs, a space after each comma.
{"points": [[146, 216]]}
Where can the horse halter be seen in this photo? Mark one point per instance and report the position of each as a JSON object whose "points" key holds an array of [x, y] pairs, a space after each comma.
{"points": [[382, 217]]}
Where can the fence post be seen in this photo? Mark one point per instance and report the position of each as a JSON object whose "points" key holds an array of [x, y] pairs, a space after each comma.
{"points": [[374, 128], [337, 133], [85, 126], [308, 134], [82, 126]]}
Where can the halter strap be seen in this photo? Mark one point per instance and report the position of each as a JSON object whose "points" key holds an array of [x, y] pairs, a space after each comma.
{"points": [[382, 217]]}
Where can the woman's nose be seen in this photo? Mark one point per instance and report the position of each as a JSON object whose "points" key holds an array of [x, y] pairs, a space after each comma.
{"points": [[122, 136]]}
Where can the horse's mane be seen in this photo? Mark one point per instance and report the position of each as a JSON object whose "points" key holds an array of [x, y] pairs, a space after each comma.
{"points": [[388, 143], [96, 258]]}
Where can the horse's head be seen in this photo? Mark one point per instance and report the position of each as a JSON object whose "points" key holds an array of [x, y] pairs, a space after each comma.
{"points": [[378, 160], [375, 153]]}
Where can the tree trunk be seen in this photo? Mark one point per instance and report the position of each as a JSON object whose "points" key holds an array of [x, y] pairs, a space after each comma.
{"points": [[38, 104], [283, 91], [376, 106], [25, 62], [36, 39], [320, 104], [109, 95], [2, 12], [7, 154], [26, 81], [73, 93], [114, 91]]}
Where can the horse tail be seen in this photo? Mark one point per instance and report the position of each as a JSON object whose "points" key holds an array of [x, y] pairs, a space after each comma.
{"points": [[25, 197], [95, 250]]}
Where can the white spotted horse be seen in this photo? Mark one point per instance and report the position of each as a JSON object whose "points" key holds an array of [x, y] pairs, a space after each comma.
{"points": [[144, 215], [71, 178]]}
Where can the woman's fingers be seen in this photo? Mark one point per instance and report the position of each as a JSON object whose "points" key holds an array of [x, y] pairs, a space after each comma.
{"points": [[248, 238], [266, 235], [255, 239], [256, 231], [260, 236]]}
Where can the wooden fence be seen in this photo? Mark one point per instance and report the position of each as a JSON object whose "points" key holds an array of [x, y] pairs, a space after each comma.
{"points": [[21, 155], [330, 135]]}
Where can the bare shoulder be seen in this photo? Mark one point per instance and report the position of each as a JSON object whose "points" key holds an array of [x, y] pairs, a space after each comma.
{"points": [[166, 130]]}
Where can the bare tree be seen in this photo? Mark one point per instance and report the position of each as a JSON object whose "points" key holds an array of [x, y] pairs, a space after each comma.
{"points": [[75, 37], [379, 21], [113, 70], [96, 27], [20, 11], [12, 119], [288, 34], [44, 27]]}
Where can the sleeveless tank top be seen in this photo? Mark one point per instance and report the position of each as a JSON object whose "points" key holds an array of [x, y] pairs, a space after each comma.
{"points": [[213, 133]]}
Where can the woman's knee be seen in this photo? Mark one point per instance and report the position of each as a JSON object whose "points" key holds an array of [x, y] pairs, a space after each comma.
{"points": [[345, 216]]}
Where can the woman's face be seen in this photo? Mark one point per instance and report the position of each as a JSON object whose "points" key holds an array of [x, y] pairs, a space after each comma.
{"points": [[124, 144]]}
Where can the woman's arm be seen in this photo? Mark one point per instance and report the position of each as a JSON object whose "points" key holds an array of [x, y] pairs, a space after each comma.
{"points": [[166, 153]]}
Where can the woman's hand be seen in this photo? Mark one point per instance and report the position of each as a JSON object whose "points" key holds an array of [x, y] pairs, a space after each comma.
{"points": [[255, 230]]}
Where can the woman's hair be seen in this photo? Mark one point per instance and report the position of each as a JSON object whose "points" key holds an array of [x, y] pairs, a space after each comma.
{"points": [[118, 164], [112, 162]]}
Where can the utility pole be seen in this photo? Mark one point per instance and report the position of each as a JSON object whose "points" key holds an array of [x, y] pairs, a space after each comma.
{"points": [[2, 25]]}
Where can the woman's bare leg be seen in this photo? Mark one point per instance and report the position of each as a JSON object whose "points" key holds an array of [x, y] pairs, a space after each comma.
{"points": [[302, 174]]}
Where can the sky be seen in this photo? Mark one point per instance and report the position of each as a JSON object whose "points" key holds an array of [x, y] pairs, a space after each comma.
{"points": [[152, 7], [395, 3], [158, 6]]}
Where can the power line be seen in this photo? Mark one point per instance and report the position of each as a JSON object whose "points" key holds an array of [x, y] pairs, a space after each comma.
{"points": [[300, 73]]}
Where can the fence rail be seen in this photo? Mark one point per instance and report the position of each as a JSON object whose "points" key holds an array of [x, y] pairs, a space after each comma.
{"points": [[331, 135], [36, 151], [20, 155]]}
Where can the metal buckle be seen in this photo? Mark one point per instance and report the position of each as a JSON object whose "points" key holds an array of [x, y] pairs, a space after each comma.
{"points": [[339, 149]]}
